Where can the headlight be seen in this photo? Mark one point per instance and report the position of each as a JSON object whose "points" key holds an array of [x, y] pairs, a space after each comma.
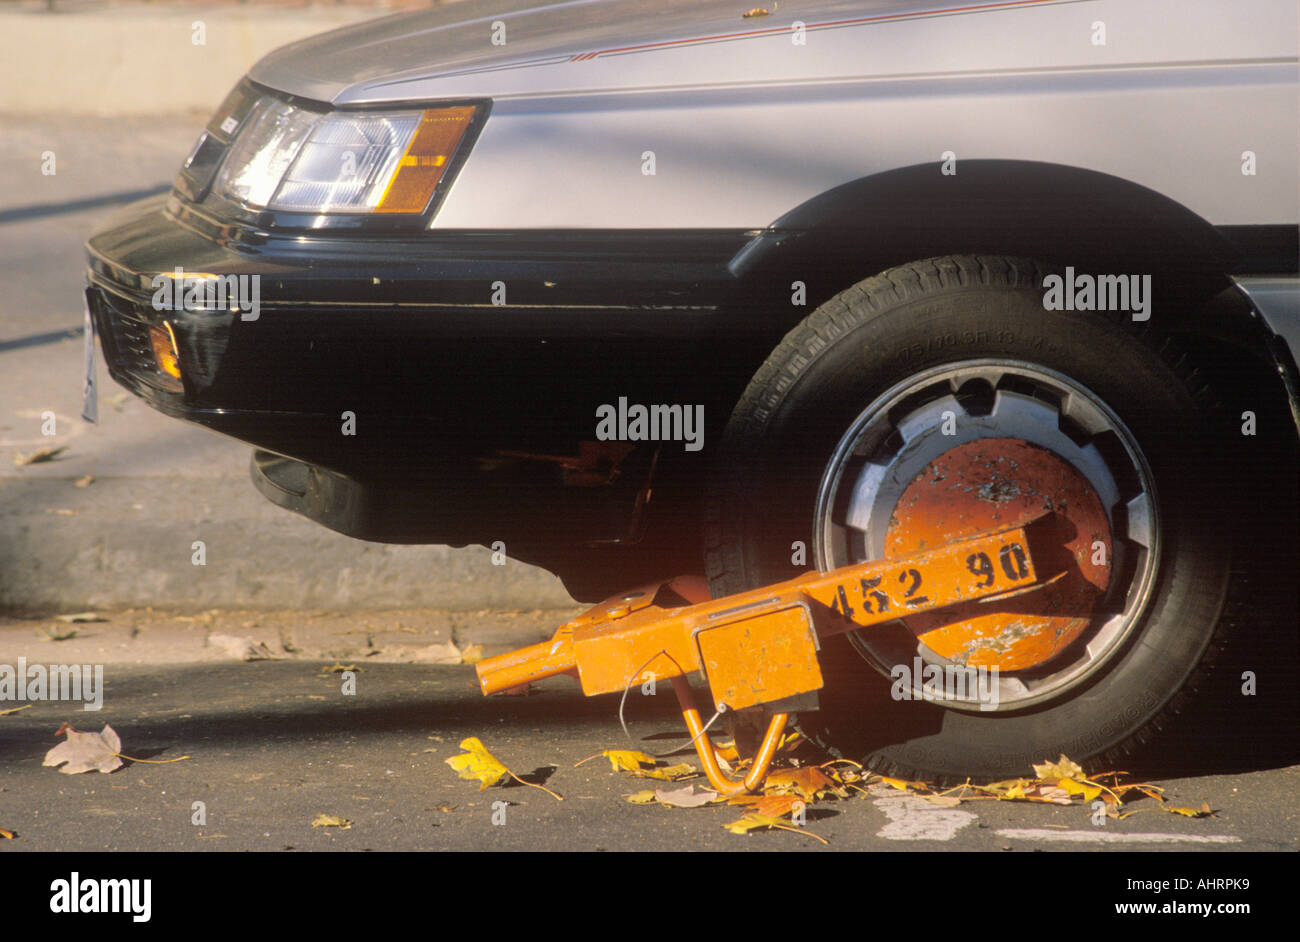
{"points": [[293, 160]]}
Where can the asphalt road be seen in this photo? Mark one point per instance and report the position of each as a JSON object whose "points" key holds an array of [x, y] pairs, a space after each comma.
{"points": [[274, 744]]}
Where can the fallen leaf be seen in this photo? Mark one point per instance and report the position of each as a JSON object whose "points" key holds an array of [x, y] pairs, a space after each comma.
{"points": [[790, 742], [644, 797], [669, 773], [1086, 789], [6, 835], [752, 822], [339, 668], [727, 751], [331, 821], [771, 806], [1049, 793], [527, 690], [1053, 772], [81, 617], [622, 760], [757, 11], [477, 764], [943, 801], [472, 655], [52, 634], [685, 797], [441, 653], [445, 808], [809, 783], [86, 752], [1201, 812], [39, 456], [15, 710], [86, 481], [245, 649]]}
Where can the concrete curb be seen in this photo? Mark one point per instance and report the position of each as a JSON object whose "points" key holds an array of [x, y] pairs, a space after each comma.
{"points": [[130, 542]]}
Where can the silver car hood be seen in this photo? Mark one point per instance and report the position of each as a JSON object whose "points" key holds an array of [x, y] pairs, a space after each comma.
{"points": [[448, 51]]}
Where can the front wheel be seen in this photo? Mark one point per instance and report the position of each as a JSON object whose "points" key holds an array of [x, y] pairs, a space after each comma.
{"points": [[938, 400]]}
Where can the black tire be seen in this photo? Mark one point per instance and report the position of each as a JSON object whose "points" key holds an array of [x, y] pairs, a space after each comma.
{"points": [[921, 317]]}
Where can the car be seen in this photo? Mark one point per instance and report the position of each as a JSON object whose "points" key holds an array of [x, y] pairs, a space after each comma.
{"points": [[633, 289]]}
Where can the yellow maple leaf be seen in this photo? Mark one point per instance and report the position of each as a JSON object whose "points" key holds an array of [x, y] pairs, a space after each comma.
{"points": [[477, 764], [1053, 772], [627, 760], [751, 822]]}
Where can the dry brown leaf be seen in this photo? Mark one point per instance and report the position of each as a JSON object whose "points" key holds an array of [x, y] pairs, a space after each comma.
{"points": [[86, 752], [943, 801], [1201, 812], [245, 649], [809, 783], [527, 690], [771, 806], [442, 653], [685, 797], [331, 821], [39, 456]]}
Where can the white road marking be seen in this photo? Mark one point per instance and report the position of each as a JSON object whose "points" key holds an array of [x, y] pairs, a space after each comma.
{"points": [[915, 819], [1104, 837]]}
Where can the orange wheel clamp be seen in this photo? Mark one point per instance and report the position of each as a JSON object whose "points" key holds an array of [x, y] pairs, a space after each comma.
{"points": [[760, 647]]}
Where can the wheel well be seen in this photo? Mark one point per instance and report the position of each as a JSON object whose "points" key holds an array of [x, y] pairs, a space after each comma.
{"points": [[1056, 214]]}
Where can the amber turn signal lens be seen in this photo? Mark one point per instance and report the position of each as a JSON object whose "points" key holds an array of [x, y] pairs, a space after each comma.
{"points": [[164, 350], [432, 147]]}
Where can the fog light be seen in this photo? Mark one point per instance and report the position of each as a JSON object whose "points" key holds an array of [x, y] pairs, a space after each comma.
{"points": [[164, 350]]}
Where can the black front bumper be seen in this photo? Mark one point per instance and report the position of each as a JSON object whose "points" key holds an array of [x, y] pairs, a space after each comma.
{"points": [[401, 332]]}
